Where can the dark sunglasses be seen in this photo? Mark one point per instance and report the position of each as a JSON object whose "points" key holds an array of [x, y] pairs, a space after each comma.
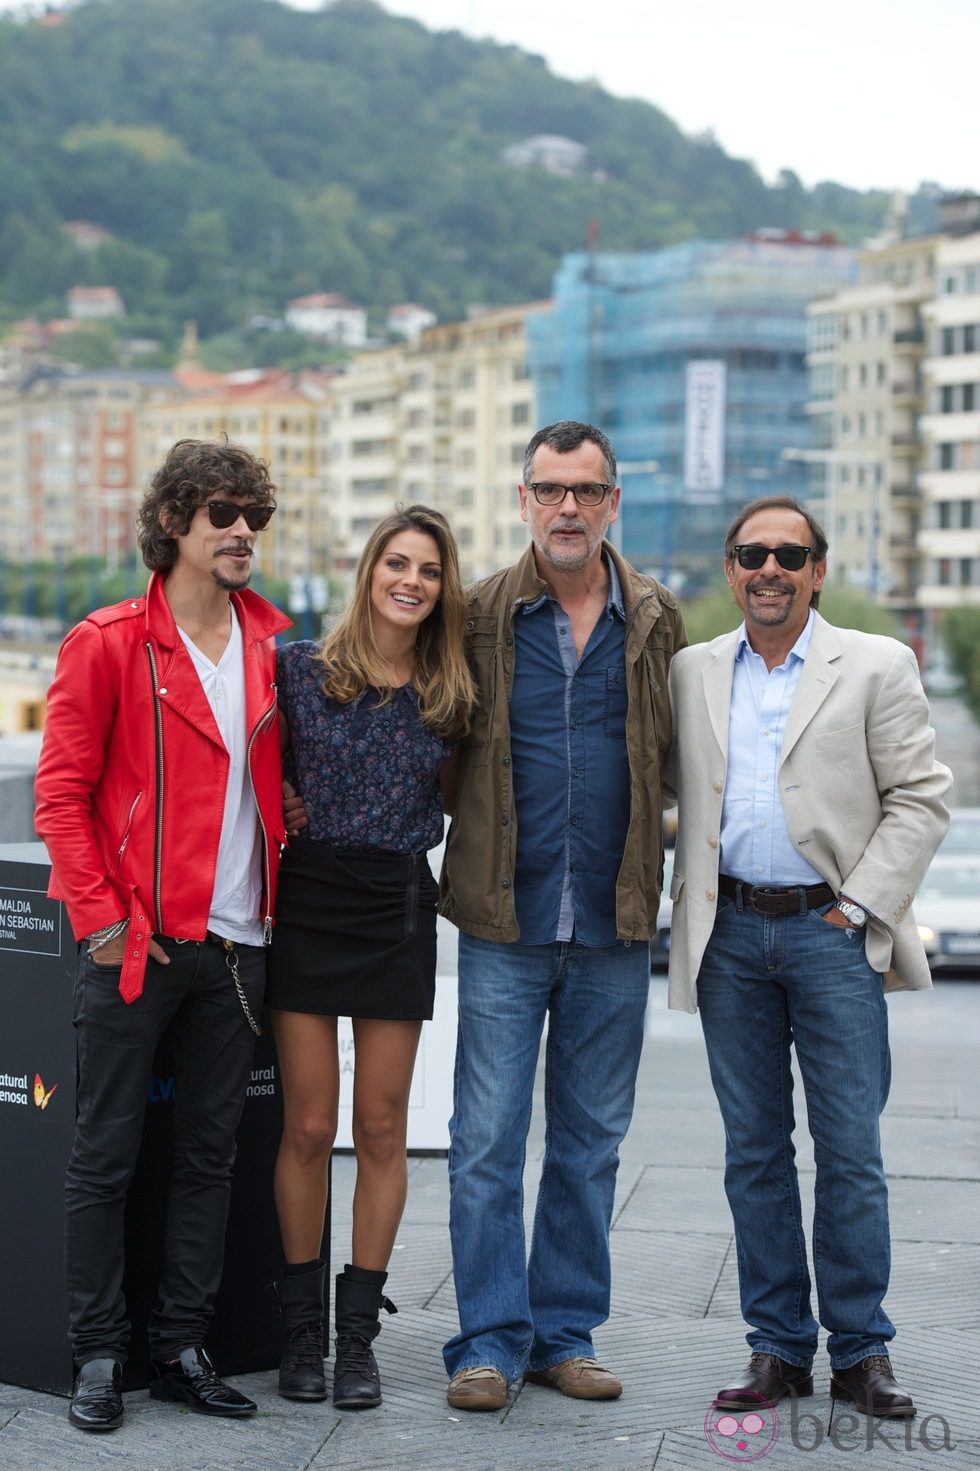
{"points": [[223, 514], [753, 556]]}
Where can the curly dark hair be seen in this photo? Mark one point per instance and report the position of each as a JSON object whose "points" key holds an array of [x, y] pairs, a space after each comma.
{"points": [[195, 471]]}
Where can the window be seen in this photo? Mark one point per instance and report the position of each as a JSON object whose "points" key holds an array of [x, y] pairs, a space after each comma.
{"points": [[946, 399], [881, 373], [945, 520], [969, 339], [948, 342], [465, 378], [966, 514], [947, 457], [520, 414], [968, 397]]}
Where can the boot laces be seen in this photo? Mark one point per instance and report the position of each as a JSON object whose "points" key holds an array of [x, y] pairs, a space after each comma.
{"points": [[305, 1345], [354, 1354]]}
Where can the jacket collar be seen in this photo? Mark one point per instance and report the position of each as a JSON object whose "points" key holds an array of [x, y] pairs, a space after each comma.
{"points": [[524, 584], [258, 618]]}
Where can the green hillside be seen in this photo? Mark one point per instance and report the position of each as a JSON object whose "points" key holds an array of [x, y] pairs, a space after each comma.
{"points": [[243, 153]]}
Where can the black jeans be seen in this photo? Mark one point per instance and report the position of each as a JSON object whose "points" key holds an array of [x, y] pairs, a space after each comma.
{"points": [[116, 1043]]}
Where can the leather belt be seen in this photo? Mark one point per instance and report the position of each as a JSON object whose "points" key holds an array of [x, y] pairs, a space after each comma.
{"points": [[769, 900]]}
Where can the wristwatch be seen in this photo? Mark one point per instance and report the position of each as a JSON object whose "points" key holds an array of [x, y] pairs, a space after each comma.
{"points": [[853, 913]]}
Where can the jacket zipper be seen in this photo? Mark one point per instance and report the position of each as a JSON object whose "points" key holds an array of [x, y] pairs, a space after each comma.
{"points": [[262, 724], [129, 822], [158, 834]]}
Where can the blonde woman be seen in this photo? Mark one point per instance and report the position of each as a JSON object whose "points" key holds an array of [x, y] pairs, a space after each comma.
{"points": [[370, 722]]}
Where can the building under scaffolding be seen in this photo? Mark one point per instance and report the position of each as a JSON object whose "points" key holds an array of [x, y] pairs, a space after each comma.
{"points": [[694, 442]]}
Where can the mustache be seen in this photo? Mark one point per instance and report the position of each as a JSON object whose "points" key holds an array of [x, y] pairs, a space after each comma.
{"points": [[775, 584], [569, 524], [237, 547]]}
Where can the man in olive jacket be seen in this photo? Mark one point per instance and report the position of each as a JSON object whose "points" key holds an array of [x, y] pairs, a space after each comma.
{"points": [[553, 870]]}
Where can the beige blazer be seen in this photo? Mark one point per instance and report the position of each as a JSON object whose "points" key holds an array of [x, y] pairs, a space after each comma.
{"points": [[860, 786]]}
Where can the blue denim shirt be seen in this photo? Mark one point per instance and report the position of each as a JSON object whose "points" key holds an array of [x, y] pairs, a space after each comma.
{"points": [[571, 772]]}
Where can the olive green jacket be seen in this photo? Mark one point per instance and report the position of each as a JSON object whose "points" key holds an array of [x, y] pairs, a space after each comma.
{"points": [[477, 886]]}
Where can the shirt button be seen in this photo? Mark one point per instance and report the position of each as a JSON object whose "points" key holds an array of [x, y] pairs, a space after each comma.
{"points": [[574, 821]]}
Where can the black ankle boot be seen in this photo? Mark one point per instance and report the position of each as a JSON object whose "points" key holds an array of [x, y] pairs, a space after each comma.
{"points": [[356, 1381], [301, 1373]]}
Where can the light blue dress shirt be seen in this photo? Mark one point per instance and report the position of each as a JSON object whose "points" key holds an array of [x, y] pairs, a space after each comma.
{"points": [[755, 843]]}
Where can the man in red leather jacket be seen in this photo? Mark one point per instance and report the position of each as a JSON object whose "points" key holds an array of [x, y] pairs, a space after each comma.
{"points": [[159, 798]]}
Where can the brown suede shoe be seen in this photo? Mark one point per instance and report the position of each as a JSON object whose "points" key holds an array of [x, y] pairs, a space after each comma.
{"points": [[870, 1387], [579, 1378], [767, 1378], [482, 1388]]}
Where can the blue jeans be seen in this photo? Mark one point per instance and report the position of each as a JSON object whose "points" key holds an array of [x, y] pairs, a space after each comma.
{"points": [[769, 982], [517, 1313]]}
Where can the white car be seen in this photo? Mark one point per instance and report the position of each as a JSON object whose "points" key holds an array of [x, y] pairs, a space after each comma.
{"points": [[947, 909]]}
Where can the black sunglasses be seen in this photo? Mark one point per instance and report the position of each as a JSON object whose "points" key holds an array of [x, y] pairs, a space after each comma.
{"points": [[790, 558], [223, 514]]}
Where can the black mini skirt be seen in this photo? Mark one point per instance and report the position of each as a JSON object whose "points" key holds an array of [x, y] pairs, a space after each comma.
{"points": [[355, 934]]}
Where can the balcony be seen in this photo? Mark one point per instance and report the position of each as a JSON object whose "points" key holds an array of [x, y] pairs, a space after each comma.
{"points": [[909, 336]]}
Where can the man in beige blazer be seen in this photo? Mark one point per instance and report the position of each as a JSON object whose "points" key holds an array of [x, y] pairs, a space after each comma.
{"points": [[810, 804]]}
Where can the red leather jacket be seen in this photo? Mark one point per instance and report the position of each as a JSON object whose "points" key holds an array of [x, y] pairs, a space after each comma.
{"points": [[131, 779]]}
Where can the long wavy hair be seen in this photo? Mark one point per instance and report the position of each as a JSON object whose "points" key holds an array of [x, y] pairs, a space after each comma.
{"points": [[349, 653]]}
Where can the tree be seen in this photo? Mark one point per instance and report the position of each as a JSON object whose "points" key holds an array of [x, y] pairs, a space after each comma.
{"points": [[960, 631]]}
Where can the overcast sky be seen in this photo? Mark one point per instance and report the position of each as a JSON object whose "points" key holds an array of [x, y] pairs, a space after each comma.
{"points": [[866, 92]]}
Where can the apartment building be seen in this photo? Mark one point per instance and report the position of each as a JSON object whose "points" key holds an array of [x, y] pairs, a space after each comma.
{"points": [[70, 477], [895, 411], [866, 348], [949, 538], [443, 420]]}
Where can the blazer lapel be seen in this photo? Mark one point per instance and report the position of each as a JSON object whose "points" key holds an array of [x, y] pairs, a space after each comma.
{"points": [[716, 682], [816, 681]]}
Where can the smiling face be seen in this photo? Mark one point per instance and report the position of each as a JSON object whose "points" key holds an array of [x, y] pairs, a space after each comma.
{"points": [[223, 556], [775, 603], [406, 581], [567, 536]]}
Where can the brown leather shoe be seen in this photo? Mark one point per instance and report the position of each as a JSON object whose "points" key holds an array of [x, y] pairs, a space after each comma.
{"points": [[481, 1388], [870, 1387], [767, 1378], [579, 1378]]}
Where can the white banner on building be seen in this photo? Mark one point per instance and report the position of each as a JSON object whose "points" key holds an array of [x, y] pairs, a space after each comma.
{"points": [[704, 437]]}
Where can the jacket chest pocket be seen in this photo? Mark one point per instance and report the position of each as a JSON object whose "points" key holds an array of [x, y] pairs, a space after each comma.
{"points": [[614, 708]]}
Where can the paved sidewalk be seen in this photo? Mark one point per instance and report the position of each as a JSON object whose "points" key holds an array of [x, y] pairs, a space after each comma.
{"points": [[675, 1334]]}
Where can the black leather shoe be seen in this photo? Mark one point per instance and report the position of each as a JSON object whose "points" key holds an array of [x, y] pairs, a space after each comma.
{"points": [[192, 1380], [96, 1399], [870, 1387], [767, 1378]]}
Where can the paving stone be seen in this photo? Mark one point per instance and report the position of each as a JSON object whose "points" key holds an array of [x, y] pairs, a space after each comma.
{"points": [[675, 1334]]}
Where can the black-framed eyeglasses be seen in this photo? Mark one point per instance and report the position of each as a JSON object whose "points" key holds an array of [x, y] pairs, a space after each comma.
{"points": [[223, 514], [589, 493], [752, 556]]}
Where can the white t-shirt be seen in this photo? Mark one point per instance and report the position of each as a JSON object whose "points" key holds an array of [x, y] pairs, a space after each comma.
{"points": [[238, 874]]}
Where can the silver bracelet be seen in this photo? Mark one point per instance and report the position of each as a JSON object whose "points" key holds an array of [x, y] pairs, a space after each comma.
{"points": [[107, 933]]}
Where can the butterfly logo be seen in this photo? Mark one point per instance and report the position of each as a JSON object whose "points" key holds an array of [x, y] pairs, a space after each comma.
{"points": [[42, 1098]]}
